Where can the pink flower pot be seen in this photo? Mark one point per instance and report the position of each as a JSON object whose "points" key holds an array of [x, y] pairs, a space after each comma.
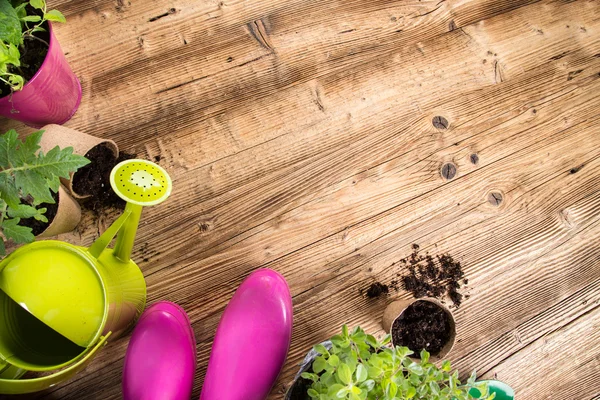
{"points": [[50, 97]]}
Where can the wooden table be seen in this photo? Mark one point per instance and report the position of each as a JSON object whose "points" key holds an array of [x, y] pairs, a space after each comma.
{"points": [[310, 137]]}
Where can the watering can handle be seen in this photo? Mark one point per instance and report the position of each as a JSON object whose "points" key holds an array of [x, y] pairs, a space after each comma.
{"points": [[22, 386], [104, 240]]}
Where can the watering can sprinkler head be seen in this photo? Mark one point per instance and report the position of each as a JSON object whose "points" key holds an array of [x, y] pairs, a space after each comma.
{"points": [[140, 183]]}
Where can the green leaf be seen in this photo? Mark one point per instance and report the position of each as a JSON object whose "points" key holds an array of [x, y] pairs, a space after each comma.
{"points": [[34, 174], [29, 146], [391, 389], [415, 368], [309, 376], [319, 365], [31, 18], [16, 82], [22, 211], [410, 392], [8, 191], [313, 393], [472, 378], [333, 360], [361, 373], [342, 393], [10, 27], [321, 350], [424, 356], [368, 385], [33, 184], [334, 389], [345, 330], [39, 4], [55, 16], [344, 374], [19, 234], [372, 341], [8, 145], [20, 10], [446, 366]]}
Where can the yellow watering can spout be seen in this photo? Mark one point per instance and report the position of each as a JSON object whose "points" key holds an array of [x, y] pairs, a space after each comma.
{"points": [[140, 183]]}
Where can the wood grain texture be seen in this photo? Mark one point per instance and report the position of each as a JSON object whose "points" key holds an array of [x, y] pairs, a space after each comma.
{"points": [[299, 137]]}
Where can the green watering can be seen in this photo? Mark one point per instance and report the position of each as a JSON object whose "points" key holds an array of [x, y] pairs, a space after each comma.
{"points": [[59, 303]]}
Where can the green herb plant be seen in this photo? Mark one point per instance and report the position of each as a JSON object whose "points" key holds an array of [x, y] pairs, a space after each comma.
{"points": [[28, 173], [17, 26], [359, 367]]}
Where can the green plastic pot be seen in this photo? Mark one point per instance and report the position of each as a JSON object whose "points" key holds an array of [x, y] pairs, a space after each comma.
{"points": [[501, 389], [59, 302]]}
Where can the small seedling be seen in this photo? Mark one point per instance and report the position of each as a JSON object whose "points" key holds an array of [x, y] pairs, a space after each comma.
{"points": [[17, 26], [27, 179], [359, 367]]}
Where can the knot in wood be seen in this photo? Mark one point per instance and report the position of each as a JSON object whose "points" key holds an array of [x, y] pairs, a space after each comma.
{"points": [[440, 122], [474, 158], [495, 198], [448, 171]]}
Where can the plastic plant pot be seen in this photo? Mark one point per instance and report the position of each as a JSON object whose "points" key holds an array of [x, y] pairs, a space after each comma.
{"points": [[397, 308], [51, 96], [500, 389]]}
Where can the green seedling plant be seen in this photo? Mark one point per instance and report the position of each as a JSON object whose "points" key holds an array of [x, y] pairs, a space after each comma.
{"points": [[28, 173], [17, 26], [359, 367]]}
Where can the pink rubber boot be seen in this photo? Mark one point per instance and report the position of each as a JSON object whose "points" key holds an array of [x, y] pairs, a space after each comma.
{"points": [[161, 358], [252, 340]]}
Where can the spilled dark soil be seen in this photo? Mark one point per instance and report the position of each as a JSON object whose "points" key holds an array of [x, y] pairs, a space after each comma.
{"points": [[424, 275]]}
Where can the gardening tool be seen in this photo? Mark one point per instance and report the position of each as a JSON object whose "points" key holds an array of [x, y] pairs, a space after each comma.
{"points": [[252, 340], [161, 357], [59, 302]]}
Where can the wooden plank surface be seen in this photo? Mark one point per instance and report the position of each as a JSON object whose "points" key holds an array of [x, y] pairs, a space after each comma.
{"points": [[299, 137]]}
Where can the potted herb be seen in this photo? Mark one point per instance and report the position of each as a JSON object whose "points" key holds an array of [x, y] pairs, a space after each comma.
{"points": [[37, 86], [356, 366], [31, 198], [421, 324]]}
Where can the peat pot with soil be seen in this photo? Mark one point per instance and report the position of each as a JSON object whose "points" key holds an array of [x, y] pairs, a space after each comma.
{"points": [[91, 183], [355, 365], [421, 324], [37, 85]]}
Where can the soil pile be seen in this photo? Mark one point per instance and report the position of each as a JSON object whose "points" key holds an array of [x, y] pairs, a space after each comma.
{"points": [[377, 289], [424, 276], [433, 277]]}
